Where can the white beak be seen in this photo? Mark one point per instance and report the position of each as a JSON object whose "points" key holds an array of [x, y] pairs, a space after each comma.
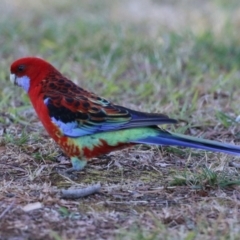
{"points": [[13, 78]]}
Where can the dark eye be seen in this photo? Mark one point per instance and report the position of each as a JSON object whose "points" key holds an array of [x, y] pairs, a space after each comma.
{"points": [[21, 68]]}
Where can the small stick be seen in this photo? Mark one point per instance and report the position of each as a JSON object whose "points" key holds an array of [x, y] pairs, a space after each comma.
{"points": [[75, 193], [234, 164], [6, 209]]}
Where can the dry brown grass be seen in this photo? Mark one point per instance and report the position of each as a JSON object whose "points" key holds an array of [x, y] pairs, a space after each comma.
{"points": [[112, 49]]}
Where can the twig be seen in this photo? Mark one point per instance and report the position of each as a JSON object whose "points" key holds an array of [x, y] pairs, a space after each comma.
{"points": [[74, 193], [234, 164], [128, 202], [7, 209]]}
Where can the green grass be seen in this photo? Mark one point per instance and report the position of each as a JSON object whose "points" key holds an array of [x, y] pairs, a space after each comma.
{"points": [[180, 58], [204, 179]]}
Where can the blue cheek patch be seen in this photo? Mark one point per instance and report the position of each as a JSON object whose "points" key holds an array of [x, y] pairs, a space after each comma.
{"points": [[23, 82]]}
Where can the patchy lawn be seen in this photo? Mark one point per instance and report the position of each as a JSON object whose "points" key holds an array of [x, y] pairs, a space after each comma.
{"points": [[181, 59]]}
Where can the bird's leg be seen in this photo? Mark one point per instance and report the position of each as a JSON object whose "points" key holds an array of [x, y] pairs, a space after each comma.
{"points": [[77, 165]]}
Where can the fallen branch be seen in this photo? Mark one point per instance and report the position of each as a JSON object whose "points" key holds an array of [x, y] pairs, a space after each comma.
{"points": [[74, 193]]}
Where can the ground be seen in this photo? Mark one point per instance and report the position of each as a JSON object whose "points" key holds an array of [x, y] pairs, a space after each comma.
{"points": [[180, 58]]}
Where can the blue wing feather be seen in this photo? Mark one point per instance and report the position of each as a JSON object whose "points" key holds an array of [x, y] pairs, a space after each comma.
{"points": [[76, 123]]}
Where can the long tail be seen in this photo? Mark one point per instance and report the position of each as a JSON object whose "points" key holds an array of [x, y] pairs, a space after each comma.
{"points": [[169, 138]]}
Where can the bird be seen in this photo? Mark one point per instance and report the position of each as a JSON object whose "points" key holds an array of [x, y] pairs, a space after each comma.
{"points": [[86, 126]]}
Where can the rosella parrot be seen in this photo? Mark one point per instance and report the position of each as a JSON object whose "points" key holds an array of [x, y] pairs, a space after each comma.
{"points": [[85, 125]]}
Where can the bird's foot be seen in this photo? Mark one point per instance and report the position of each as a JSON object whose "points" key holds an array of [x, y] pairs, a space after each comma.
{"points": [[69, 173]]}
